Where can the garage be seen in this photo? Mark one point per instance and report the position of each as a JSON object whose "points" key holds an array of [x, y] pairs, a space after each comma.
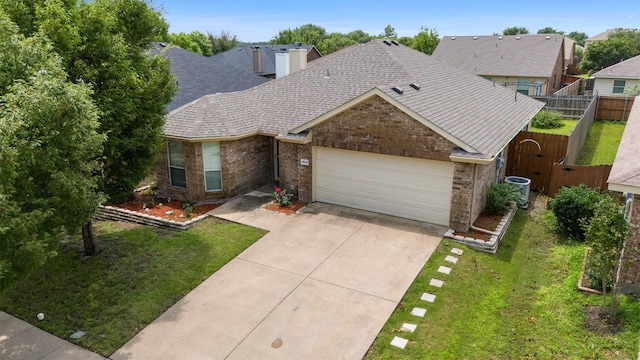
{"points": [[406, 187]]}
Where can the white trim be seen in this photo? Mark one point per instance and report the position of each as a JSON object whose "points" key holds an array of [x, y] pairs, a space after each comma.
{"points": [[624, 188]]}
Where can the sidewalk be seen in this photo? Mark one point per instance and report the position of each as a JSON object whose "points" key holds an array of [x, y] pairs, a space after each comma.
{"points": [[21, 340]]}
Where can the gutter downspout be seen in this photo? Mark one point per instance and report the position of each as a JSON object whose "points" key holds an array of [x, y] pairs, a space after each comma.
{"points": [[473, 191]]}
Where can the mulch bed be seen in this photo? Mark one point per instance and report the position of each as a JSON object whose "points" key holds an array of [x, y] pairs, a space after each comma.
{"points": [[159, 208], [288, 210], [484, 221]]}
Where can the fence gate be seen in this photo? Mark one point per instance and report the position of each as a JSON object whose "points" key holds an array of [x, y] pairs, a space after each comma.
{"points": [[532, 155]]}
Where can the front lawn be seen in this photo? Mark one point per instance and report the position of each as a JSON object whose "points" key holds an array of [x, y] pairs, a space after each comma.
{"points": [[602, 143], [520, 303], [140, 272], [567, 127]]}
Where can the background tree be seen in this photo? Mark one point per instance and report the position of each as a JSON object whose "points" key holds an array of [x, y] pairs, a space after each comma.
{"points": [[515, 30], [389, 32], [223, 42], [426, 41], [306, 34], [578, 37], [606, 233], [550, 30], [49, 146], [619, 46], [334, 42], [359, 36], [194, 41]]}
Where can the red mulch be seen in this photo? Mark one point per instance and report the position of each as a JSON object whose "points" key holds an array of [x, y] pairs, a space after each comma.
{"points": [[161, 210], [484, 221], [288, 210]]}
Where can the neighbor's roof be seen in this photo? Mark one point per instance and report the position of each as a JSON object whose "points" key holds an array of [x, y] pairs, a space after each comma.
{"points": [[480, 116], [199, 75], [625, 172], [627, 69], [241, 57], [510, 55]]}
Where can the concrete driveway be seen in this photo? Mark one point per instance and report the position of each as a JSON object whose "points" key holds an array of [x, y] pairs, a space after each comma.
{"points": [[320, 285]]}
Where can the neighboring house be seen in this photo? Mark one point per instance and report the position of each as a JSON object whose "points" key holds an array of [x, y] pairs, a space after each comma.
{"points": [[569, 52], [614, 80], [602, 36], [531, 64], [376, 126], [261, 58], [625, 177], [198, 75]]}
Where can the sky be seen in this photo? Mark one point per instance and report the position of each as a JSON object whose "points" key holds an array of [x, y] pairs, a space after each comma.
{"points": [[254, 21]]}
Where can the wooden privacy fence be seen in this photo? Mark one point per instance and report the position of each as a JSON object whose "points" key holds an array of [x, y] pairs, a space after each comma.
{"points": [[573, 175], [570, 106], [579, 133], [614, 107], [532, 155]]}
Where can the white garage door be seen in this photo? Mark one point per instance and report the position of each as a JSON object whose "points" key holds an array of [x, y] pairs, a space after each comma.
{"points": [[399, 186]]}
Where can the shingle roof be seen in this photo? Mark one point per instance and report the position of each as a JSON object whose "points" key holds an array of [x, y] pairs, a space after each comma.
{"points": [[241, 57], [629, 69], [481, 116], [626, 167], [512, 55], [199, 75]]}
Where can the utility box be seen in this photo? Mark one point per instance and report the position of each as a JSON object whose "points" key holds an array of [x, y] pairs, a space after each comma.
{"points": [[524, 185]]}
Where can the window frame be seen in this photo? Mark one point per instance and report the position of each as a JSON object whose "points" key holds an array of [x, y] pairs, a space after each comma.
{"points": [[176, 167], [617, 87], [204, 166], [523, 85]]}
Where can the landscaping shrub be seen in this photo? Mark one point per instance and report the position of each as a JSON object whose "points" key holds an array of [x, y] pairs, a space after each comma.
{"points": [[547, 120], [499, 197], [573, 207]]}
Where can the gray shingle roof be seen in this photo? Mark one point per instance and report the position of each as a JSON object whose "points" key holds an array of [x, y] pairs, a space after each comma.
{"points": [[481, 116], [512, 55], [628, 69], [199, 75], [241, 57], [626, 167]]}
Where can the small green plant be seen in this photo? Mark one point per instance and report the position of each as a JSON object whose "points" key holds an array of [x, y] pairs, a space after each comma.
{"points": [[282, 196], [547, 120], [573, 207], [500, 197], [187, 208]]}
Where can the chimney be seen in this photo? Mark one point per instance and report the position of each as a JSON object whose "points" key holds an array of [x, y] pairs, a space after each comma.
{"points": [[257, 59], [297, 60], [282, 64]]}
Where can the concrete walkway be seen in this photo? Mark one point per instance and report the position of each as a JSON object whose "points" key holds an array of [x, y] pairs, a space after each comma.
{"points": [[320, 285], [21, 340]]}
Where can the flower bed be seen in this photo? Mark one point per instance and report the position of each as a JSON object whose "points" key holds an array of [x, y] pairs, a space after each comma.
{"points": [[480, 240]]}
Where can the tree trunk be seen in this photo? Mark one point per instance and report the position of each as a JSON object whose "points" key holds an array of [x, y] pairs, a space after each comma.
{"points": [[89, 239]]}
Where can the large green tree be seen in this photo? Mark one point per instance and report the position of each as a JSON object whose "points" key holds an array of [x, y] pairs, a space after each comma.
{"points": [[578, 37], [515, 30], [426, 41], [550, 30], [619, 46], [49, 150], [223, 42], [104, 43], [194, 41]]}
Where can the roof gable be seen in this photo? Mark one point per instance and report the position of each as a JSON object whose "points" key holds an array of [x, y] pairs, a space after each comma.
{"points": [[510, 55], [629, 69], [478, 115]]}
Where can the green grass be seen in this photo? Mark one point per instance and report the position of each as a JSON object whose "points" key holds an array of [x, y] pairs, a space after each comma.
{"points": [[602, 143], [140, 272], [521, 303], [567, 126]]}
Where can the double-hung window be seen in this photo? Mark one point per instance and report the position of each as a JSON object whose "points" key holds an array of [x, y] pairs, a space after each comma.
{"points": [[176, 164], [523, 86], [618, 86], [212, 166]]}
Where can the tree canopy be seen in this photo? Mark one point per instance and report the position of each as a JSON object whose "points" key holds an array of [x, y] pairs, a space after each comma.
{"points": [[619, 46], [515, 30], [578, 37], [550, 30]]}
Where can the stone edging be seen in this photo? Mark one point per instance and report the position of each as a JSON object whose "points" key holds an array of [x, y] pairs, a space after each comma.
{"points": [[490, 246], [119, 214]]}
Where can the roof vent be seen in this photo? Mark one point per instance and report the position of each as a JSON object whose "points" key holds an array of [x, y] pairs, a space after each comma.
{"points": [[547, 37], [475, 38], [415, 86], [398, 90], [387, 42], [163, 44], [500, 37], [453, 38], [518, 37], [395, 42], [297, 45]]}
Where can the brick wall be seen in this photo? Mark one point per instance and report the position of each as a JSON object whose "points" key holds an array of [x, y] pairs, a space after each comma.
{"points": [[629, 280], [485, 176], [247, 164], [292, 173], [460, 216]]}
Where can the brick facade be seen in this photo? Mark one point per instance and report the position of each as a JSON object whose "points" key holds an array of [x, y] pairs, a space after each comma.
{"points": [[247, 164], [629, 280]]}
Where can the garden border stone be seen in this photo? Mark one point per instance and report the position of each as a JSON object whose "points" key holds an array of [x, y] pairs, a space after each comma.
{"points": [[119, 214], [490, 246]]}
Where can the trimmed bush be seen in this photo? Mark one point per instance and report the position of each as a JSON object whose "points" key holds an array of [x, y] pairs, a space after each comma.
{"points": [[547, 120], [499, 197], [573, 207]]}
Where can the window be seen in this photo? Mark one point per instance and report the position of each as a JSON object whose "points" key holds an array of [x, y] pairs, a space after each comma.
{"points": [[618, 86], [212, 166], [523, 86], [176, 164]]}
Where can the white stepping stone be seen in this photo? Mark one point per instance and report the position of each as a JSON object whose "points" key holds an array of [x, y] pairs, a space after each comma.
{"points": [[408, 327], [399, 342], [436, 283], [457, 251], [416, 311], [444, 270], [428, 297], [451, 259]]}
